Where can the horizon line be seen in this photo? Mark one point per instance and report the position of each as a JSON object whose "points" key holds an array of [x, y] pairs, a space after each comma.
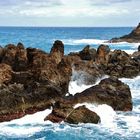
{"points": [[68, 26]]}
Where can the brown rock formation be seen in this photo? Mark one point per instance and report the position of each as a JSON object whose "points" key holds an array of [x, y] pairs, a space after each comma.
{"points": [[134, 36], [110, 91]]}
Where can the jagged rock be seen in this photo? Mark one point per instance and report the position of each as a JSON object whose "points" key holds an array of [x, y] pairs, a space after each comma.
{"points": [[10, 53], [134, 36], [102, 54], [64, 111], [57, 51], [5, 73], [36, 58], [1, 53], [121, 64], [18, 101], [85, 72], [87, 53], [32, 79], [139, 48], [15, 56], [136, 56], [20, 58], [110, 91]]}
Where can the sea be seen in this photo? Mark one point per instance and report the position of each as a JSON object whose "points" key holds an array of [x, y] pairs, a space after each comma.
{"points": [[114, 125]]}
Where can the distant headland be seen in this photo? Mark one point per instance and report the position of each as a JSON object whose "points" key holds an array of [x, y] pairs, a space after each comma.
{"points": [[133, 37]]}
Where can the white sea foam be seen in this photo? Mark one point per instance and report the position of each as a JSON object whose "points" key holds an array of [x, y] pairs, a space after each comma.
{"points": [[106, 113], [77, 85], [96, 41], [27, 125], [124, 124], [134, 85], [130, 51], [75, 88], [36, 118], [83, 41]]}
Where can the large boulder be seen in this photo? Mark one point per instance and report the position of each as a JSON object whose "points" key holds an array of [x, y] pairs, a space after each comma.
{"points": [[134, 36], [110, 91], [82, 115]]}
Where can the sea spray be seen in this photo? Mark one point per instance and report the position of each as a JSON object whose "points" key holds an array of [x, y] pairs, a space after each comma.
{"points": [[26, 126], [77, 85], [106, 112]]}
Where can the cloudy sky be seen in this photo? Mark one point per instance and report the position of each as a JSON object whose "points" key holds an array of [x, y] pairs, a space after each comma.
{"points": [[69, 12]]}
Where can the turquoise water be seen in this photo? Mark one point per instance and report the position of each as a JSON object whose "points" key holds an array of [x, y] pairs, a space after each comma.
{"points": [[113, 126]]}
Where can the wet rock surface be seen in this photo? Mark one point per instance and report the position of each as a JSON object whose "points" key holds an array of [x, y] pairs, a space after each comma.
{"points": [[64, 111], [109, 91], [32, 80]]}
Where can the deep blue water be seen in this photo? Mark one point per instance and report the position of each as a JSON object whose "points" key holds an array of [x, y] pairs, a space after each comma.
{"points": [[114, 125]]}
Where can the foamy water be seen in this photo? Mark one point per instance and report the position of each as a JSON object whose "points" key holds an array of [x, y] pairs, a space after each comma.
{"points": [[83, 41], [123, 124], [114, 125]]}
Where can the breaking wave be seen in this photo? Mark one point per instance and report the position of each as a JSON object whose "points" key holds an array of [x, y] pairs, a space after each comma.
{"points": [[114, 125]]}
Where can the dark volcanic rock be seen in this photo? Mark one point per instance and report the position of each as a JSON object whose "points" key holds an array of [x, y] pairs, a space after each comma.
{"points": [[86, 72], [57, 51], [110, 91], [64, 111], [20, 58], [121, 64], [16, 99], [134, 36], [15, 56], [61, 110], [139, 48], [31, 79], [102, 53], [1, 53], [9, 55], [5, 73], [82, 115], [136, 56], [87, 53]]}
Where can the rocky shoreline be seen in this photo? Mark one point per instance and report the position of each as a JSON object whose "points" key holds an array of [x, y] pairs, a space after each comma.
{"points": [[32, 80], [133, 37]]}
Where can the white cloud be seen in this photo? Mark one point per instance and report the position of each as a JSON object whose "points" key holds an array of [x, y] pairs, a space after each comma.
{"points": [[47, 8], [66, 9]]}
